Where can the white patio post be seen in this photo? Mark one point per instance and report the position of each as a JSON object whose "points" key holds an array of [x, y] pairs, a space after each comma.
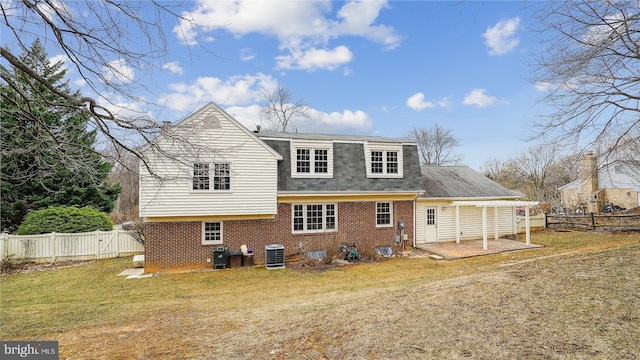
{"points": [[485, 245], [495, 223], [526, 224], [457, 224]]}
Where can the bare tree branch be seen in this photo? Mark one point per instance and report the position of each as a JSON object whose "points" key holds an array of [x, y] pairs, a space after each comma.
{"points": [[435, 145], [590, 66], [280, 112]]}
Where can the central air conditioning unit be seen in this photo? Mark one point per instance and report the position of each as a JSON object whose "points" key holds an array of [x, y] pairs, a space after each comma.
{"points": [[274, 257]]}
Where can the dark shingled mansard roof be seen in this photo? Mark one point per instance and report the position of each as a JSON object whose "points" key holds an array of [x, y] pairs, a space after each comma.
{"points": [[349, 171], [460, 182]]}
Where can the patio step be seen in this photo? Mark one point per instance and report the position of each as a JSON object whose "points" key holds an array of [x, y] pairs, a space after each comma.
{"points": [[436, 257]]}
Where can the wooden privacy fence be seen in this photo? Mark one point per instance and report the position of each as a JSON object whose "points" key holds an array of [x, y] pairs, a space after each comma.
{"points": [[619, 222], [61, 247]]}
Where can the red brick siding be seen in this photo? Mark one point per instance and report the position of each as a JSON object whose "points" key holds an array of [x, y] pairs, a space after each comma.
{"points": [[178, 245]]}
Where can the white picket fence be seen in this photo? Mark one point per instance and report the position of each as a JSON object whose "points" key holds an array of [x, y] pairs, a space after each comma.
{"points": [[61, 247]]}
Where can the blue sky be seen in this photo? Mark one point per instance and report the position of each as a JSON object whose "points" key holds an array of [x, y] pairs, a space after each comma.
{"points": [[369, 68]]}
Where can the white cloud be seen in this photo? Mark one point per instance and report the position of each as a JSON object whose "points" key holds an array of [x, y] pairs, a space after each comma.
{"points": [[358, 18], [345, 122], [50, 8], [284, 19], [417, 102], [60, 58], [543, 86], [249, 116], [314, 59], [173, 67], [303, 28], [501, 38], [478, 98], [246, 54], [118, 71], [79, 82], [236, 90]]}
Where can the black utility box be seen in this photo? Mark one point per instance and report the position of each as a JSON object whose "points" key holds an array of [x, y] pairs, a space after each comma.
{"points": [[220, 254]]}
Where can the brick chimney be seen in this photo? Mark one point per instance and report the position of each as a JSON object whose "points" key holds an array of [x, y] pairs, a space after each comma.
{"points": [[589, 175]]}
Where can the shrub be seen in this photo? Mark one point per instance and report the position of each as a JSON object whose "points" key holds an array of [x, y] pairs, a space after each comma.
{"points": [[136, 228], [62, 219], [11, 264]]}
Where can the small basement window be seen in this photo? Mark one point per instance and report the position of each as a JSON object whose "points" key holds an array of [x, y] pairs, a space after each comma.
{"points": [[212, 233]]}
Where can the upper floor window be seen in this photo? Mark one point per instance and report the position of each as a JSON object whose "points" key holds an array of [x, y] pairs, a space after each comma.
{"points": [[384, 159], [200, 176], [311, 159], [392, 162], [222, 176], [384, 162], [204, 179]]}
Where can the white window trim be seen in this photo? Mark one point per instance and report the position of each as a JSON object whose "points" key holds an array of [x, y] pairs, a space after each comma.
{"points": [[390, 224], [312, 147], [324, 218], [212, 165], [384, 148], [221, 241]]}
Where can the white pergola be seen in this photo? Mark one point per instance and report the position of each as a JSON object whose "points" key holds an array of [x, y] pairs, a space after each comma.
{"points": [[495, 204]]}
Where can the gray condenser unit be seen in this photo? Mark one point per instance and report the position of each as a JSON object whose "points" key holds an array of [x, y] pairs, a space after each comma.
{"points": [[274, 257]]}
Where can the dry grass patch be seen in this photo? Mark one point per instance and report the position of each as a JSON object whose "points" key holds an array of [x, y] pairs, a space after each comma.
{"points": [[576, 298]]}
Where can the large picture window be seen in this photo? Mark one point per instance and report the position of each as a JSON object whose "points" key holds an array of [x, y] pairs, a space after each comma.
{"points": [[314, 217]]}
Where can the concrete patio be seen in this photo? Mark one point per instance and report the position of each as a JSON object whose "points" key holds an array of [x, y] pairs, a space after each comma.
{"points": [[451, 250]]}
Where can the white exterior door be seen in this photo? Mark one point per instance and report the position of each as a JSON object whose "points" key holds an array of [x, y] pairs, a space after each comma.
{"points": [[431, 225]]}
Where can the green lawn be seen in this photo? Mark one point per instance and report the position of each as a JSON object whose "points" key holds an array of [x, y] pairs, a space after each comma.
{"points": [[367, 307]]}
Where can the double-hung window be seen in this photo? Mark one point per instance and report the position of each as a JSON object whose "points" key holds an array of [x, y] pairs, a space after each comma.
{"points": [[314, 217], [383, 160], [211, 232], [311, 159], [222, 176], [384, 214], [211, 176], [200, 176]]}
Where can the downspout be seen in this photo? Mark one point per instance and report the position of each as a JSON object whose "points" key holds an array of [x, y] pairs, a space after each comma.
{"points": [[415, 199], [414, 223]]}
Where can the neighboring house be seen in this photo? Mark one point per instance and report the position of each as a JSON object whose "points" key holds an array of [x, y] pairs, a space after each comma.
{"points": [[304, 191], [615, 183], [460, 203]]}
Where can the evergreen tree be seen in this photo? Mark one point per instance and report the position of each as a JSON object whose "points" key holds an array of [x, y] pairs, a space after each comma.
{"points": [[48, 154]]}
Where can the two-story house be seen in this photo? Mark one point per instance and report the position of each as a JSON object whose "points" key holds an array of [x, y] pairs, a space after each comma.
{"points": [[616, 182], [227, 185]]}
